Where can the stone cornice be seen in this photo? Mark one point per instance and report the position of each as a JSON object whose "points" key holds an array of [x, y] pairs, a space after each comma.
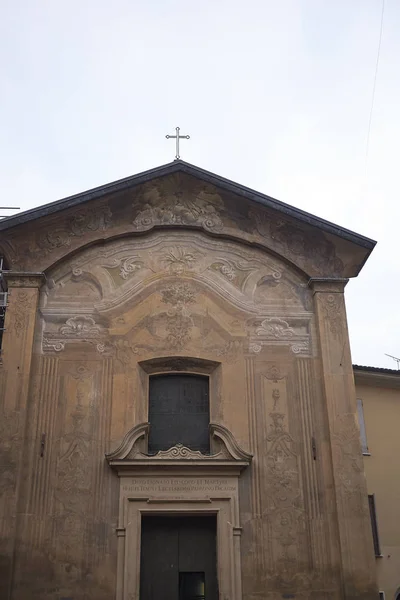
{"points": [[328, 285], [24, 279]]}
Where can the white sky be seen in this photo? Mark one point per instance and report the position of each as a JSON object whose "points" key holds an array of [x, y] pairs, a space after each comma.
{"points": [[276, 95]]}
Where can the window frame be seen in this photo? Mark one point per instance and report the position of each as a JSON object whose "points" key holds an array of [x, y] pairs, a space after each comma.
{"points": [[362, 427], [374, 525], [196, 376], [179, 365]]}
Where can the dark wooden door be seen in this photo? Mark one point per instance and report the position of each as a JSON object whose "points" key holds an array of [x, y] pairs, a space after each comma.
{"points": [[178, 558], [179, 412]]}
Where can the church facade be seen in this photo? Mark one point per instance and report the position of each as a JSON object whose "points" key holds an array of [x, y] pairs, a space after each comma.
{"points": [[178, 410]]}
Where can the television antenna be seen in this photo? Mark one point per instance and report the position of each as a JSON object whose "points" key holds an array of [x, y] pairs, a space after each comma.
{"points": [[8, 208], [396, 359]]}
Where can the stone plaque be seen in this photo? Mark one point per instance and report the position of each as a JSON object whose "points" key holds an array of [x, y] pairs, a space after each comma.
{"points": [[173, 486]]}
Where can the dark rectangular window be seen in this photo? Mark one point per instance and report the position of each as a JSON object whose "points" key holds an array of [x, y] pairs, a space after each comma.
{"points": [[361, 423], [374, 525], [381, 595], [179, 412]]}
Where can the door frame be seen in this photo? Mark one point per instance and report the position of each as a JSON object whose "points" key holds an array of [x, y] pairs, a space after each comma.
{"points": [[224, 505]]}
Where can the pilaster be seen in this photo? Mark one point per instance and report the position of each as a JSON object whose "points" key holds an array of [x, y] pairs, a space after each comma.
{"points": [[354, 527], [20, 321]]}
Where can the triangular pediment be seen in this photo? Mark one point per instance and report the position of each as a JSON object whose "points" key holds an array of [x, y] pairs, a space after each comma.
{"points": [[181, 195]]}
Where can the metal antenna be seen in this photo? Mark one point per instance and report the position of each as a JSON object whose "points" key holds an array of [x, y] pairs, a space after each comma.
{"points": [[8, 208], [396, 359]]}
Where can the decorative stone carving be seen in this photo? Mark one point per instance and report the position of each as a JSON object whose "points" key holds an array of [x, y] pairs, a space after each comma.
{"points": [[301, 347], [181, 451], [21, 312], [179, 321], [234, 271], [285, 509], [255, 348], [333, 308], [293, 240], [122, 349], [23, 279], [128, 265], [274, 373], [276, 328], [163, 202], [52, 345], [178, 294], [81, 327], [277, 331], [83, 220], [73, 473], [179, 259], [230, 350], [130, 453], [347, 451]]}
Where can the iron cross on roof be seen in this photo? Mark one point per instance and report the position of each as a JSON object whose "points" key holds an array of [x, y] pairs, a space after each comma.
{"points": [[177, 137]]}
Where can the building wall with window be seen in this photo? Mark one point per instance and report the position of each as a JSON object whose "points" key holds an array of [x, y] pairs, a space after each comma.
{"points": [[378, 394], [237, 302]]}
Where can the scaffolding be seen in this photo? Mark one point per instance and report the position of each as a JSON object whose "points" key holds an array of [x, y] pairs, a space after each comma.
{"points": [[3, 286], [3, 302]]}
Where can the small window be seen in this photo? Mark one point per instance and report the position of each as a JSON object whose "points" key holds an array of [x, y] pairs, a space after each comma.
{"points": [[381, 595], [179, 412], [361, 422], [374, 525]]}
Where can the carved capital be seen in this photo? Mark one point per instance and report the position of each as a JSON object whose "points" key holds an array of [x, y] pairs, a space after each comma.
{"points": [[24, 279], [327, 285]]}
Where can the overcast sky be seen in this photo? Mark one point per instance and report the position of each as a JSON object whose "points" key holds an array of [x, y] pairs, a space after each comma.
{"points": [[276, 95]]}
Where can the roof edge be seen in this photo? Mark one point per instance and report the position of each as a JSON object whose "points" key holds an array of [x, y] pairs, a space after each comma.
{"points": [[376, 376], [173, 167]]}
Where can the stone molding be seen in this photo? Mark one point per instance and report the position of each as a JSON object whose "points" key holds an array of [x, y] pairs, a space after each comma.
{"points": [[130, 452], [328, 285], [183, 202], [24, 279]]}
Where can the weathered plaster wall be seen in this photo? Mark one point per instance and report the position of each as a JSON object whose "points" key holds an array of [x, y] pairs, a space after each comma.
{"points": [[283, 386], [381, 415]]}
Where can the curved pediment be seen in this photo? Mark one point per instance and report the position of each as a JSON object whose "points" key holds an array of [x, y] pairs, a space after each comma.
{"points": [[130, 453], [175, 292], [113, 275]]}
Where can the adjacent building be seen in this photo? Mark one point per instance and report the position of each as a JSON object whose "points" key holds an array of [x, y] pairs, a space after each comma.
{"points": [[378, 399]]}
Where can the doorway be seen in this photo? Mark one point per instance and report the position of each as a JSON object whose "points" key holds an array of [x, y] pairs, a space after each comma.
{"points": [[178, 558]]}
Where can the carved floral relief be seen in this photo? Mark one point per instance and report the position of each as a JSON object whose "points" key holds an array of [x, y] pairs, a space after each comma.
{"points": [[294, 240], [348, 457], [278, 331], [171, 201], [284, 498], [181, 270]]}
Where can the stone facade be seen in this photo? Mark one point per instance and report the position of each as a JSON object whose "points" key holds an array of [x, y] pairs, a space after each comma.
{"points": [[179, 275]]}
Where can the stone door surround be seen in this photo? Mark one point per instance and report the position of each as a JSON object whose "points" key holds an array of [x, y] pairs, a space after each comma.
{"points": [[178, 482]]}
